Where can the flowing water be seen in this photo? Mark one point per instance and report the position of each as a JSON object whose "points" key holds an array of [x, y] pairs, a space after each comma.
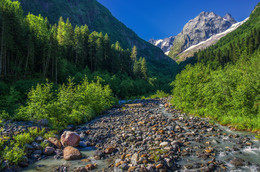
{"points": [[226, 144], [50, 164]]}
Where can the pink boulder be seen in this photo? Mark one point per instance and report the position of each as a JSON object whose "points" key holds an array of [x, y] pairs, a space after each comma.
{"points": [[69, 138]]}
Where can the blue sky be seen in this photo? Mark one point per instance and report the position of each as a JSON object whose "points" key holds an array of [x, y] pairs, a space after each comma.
{"points": [[163, 18]]}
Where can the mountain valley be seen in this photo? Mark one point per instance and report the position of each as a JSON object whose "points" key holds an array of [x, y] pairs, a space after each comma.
{"points": [[80, 91]]}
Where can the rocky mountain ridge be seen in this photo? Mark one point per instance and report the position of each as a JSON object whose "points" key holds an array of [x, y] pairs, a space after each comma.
{"points": [[165, 44], [199, 29], [211, 41]]}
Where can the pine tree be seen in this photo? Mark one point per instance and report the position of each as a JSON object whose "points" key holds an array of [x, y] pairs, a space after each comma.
{"points": [[107, 46], [60, 36], [144, 68], [92, 49], [99, 53], [134, 53]]}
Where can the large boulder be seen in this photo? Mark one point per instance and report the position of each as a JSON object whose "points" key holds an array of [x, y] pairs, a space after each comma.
{"points": [[71, 153], [69, 138]]}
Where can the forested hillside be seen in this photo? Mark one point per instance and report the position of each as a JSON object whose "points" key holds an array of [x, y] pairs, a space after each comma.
{"points": [[32, 50], [98, 18], [224, 84]]}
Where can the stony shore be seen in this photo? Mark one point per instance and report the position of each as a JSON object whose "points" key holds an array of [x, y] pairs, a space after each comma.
{"points": [[150, 136]]}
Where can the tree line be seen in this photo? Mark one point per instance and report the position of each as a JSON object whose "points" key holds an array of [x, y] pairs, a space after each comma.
{"points": [[30, 46]]}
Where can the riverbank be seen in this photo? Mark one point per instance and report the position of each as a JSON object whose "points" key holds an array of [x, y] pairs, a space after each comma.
{"points": [[150, 137]]}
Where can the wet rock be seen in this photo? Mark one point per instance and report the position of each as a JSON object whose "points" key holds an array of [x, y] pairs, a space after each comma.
{"points": [[98, 155], [61, 168], [71, 153], [109, 150], [28, 147], [58, 154], [237, 162], [82, 136], [82, 144], [150, 168], [49, 150], [39, 139], [55, 142], [90, 166], [163, 144], [80, 169], [132, 168], [159, 166], [38, 152], [36, 146], [69, 138], [134, 159]]}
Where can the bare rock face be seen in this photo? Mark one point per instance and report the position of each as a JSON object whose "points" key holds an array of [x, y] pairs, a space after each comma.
{"points": [[165, 44], [71, 153], [69, 138], [199, 29]]}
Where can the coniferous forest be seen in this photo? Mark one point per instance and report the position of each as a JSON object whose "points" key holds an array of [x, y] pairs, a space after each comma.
{"points": [[32, 50], [57, 77]]}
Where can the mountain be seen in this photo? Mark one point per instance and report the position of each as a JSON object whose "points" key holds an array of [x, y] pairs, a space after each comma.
{"points": [[165, 44], [205, 25], [224, 84], [97, 17], [199, 29], [211, 41]]}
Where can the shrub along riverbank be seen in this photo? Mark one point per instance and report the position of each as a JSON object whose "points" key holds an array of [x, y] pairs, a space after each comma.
{"points": [[69, 104], [229, 95]]}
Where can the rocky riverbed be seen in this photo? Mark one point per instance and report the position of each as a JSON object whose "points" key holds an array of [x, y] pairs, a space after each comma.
{"points": [[147, 136]]}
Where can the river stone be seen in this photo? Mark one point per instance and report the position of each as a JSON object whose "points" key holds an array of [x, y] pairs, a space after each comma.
{"points": [[90, 167], [98, 155], [237, 162], [71, 153], [38, 152], [36, 146], [28, 147], [39, 139], [134, 159], [49, 150], [109, 150], [69, 138], [80, 169], [82, 144], [55, 142], [163, 144]]}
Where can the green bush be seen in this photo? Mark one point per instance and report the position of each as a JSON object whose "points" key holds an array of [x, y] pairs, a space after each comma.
{"points": [[4, 115], [70, 104], [23, 139], [14, 154], [230, 95], [159, 94]]}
